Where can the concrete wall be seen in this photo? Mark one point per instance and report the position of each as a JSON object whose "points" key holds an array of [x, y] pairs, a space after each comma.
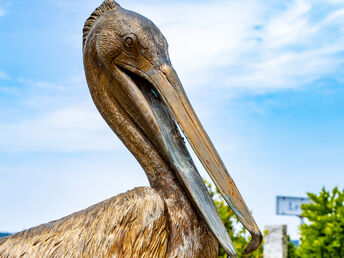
{"points": [[276, 242]]}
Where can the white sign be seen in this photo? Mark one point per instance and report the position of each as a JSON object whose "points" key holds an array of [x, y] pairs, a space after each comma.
{"points": [[286, 205]]}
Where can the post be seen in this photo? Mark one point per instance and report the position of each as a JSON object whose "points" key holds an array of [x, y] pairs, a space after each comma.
{"points": [[276, 242]]}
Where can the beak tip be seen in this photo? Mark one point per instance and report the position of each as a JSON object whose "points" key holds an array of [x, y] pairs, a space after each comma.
{"points": [[254, 244]]}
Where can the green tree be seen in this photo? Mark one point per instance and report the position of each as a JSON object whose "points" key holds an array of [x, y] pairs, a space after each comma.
{"points": [[291, 249], [323, 234], [238, 234]]}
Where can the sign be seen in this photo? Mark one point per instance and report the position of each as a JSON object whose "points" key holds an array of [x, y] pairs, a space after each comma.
{"points": [[286, 205]]}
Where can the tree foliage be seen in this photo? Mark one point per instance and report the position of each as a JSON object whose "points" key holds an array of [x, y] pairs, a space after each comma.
{"points": [[291, 249], [238, 234], [323, 234]]}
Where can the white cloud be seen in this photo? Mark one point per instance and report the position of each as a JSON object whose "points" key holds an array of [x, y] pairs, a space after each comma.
{"points": [[2, 12], [250, 45], [45, 116], [3, 75], [69, 129]]}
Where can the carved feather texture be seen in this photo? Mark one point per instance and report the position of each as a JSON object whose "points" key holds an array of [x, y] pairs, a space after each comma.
{"points": [[133, 224], [105, 7]]}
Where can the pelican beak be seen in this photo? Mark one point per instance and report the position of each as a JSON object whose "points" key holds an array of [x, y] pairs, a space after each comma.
{"points": [[175, 104], [170, 88]]}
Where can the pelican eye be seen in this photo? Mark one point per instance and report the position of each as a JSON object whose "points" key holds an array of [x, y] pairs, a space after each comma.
{"points": [[129, 41]]}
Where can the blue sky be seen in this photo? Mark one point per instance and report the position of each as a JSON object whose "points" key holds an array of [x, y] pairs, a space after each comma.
{"points": [[265, 77]]}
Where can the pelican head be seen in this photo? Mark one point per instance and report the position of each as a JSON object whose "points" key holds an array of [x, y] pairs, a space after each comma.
{"points": [[126, 61]]}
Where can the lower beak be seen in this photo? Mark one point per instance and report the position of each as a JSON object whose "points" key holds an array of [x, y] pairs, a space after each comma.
{"points": [[167, 83]]}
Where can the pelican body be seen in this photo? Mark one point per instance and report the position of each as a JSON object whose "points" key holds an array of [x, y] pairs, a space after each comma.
{"points": [[138, 93]]}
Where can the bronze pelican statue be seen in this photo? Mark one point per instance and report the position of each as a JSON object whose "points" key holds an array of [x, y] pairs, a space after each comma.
{"points": [[138, 93]]}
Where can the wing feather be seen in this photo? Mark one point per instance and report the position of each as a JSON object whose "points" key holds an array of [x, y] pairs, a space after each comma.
{"points": [[133, 224]]}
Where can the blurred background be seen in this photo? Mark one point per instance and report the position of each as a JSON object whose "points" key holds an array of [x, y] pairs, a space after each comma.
{"points": [[265, 78]]}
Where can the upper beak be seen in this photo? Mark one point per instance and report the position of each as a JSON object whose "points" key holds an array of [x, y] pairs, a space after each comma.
{"points": [[170, 88]]}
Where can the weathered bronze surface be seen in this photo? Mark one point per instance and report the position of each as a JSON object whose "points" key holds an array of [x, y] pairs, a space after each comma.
{"points": [[138, 93]]}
